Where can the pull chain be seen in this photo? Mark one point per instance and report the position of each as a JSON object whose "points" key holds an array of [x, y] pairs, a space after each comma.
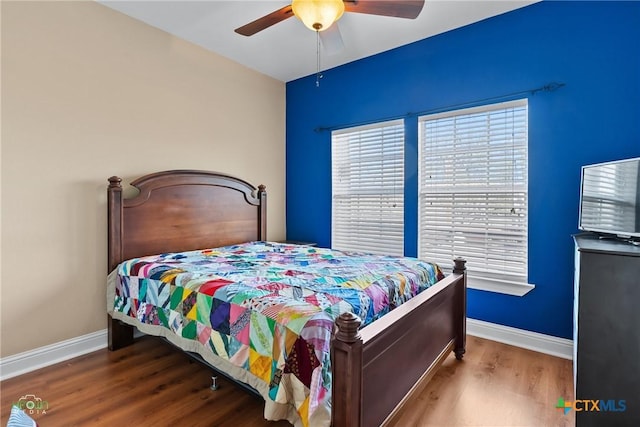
{"points": [[318, 73]]}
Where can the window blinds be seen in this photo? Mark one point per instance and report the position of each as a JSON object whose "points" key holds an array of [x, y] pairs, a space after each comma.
{"points": [[473, 190], [368, 188]]}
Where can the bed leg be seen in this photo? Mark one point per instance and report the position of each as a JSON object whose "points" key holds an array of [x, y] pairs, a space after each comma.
{"points": [[461, 316], [120, 335]]}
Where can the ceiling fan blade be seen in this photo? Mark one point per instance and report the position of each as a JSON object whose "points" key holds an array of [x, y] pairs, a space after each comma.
{"points": [[331, 39], [399, 8], [265, 22]]}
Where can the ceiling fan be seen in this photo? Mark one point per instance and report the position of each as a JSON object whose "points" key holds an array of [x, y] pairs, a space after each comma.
{"points": [[319, 15]]}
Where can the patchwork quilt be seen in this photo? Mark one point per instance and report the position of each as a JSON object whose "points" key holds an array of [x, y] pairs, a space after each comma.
{"points": [[263, 312]]}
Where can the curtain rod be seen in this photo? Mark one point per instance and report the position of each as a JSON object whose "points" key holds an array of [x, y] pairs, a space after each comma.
{"points": [[549, 87]]}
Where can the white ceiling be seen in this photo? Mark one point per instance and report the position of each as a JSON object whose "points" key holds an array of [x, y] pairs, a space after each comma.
{"points": [[287, 50]]}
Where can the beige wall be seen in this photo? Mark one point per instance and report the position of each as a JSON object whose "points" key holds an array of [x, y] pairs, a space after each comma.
{"points": [[88, 93]]}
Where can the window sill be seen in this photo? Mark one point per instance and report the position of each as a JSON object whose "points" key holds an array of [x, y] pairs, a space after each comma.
{"points": [[499, 286]]}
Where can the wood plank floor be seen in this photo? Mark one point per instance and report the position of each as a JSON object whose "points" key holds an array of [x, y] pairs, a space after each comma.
{"points": [[495, 385]]}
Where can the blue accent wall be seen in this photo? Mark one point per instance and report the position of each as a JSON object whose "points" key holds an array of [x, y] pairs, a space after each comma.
{"points": [[591, 47]]}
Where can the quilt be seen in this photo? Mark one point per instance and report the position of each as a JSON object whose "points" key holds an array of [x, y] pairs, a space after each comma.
{"points": [[263, 312]]}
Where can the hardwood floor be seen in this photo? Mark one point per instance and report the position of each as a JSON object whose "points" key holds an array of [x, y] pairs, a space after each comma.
{"points": [[495, 385]]}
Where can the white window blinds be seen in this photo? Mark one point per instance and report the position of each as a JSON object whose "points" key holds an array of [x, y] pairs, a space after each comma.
{"points": [[368, 188], [473, 190]]}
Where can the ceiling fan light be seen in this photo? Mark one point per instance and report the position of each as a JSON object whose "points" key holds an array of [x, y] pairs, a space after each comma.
{"points": [[318, 15]]}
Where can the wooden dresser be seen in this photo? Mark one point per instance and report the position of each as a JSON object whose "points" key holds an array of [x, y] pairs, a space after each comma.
{"points": [[606, 325]]}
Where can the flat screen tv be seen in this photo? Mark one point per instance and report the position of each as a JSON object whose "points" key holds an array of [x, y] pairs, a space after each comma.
{"points": [[610, 198]]}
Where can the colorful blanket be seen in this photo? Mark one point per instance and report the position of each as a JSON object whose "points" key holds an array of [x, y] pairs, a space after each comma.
{"points": [[263, 312]]}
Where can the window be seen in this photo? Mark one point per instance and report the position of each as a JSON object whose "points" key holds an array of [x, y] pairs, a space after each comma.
{"points": [[473, 193], [368, 188]]}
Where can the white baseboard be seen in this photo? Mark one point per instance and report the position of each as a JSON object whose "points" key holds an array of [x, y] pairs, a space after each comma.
{"points": [[560, 347], [28, 361]]}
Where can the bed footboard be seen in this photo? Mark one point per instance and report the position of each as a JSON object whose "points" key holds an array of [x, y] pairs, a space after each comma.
{"points": [[382, 365]]}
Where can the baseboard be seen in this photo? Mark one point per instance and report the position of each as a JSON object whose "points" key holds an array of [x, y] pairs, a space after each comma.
{"points": [[28, 361], [560, 347]]}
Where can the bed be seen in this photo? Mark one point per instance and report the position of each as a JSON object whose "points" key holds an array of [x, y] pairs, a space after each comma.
{"points": [[372, 370]]}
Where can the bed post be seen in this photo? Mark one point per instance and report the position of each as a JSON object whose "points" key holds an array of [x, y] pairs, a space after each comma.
{"points": [[119, 334], [114, 223], [346, 362], [461, 309], [262, 213]]}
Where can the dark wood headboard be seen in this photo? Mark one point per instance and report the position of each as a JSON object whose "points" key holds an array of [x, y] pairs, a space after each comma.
{"points": [[182, 210]]}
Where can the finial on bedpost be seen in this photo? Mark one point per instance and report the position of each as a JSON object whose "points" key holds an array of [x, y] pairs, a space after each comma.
{"points": [[348, 327], [459, 265], [115, 181]]}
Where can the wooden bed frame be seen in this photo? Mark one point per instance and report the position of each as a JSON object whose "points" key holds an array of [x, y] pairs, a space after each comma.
{"points": [[376, 369]]}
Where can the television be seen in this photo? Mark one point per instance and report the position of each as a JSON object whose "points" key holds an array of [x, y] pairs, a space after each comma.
{"points": [[610, 199]]}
